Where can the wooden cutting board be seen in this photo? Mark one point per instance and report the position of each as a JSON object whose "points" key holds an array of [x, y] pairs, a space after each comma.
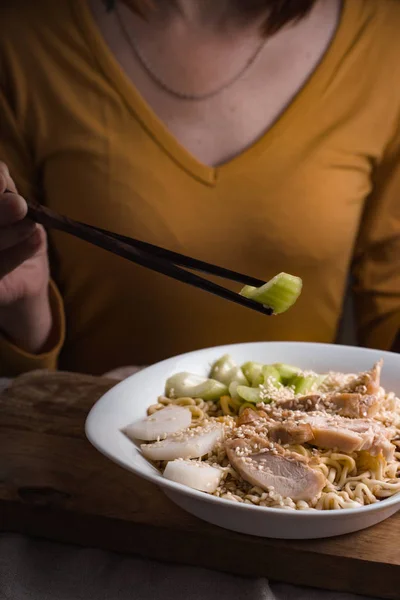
{"points": [[55, 485]]}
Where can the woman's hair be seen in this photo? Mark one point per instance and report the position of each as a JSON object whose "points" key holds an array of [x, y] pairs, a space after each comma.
{"points": [[278, 12]]}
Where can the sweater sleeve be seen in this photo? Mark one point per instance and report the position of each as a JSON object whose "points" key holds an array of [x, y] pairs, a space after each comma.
{"points": [[377, 257], [14, 360], [14, 153]]}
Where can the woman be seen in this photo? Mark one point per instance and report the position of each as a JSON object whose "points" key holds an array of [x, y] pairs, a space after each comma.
{"points": [[263, 136]]}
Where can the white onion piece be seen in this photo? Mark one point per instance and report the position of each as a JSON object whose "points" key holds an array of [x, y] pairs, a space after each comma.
{"points": [[190, 444], [195, 474], [161, 423]]}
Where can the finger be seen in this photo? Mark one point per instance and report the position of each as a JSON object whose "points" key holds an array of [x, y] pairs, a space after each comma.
{"points": [[42, 243], [13, 208], [13, 235], [6, 181], [14, 257]]}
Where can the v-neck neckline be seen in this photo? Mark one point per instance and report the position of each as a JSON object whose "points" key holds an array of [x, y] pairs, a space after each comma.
{"points": [[300, 101]]}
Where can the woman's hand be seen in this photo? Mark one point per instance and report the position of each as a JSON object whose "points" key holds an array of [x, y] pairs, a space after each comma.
{"points": [[25, 315]]}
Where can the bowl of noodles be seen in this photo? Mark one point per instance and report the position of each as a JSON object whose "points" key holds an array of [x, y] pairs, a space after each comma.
{"points": [[275, 439]]}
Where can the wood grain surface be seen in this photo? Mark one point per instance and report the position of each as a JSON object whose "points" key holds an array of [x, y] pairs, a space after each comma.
{"points": [[54, 485]]}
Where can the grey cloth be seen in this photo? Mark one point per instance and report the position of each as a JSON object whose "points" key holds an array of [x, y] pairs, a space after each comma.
{"points": [[37, 570]]}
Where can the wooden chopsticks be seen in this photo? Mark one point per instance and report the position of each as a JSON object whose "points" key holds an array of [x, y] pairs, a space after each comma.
{"points": [[150, 256]]}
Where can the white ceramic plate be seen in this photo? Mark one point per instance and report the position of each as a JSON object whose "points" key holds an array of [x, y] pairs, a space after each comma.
{"points": [[129, 400]]}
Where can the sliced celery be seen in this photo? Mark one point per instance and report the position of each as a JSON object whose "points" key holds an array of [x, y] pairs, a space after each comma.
{"points": [[280, 293], [252, 395], [233, 386], [249, 394], [247, 291], [304, 384], [194, 386], [271, 375], [236, 375], [226, 371], [222, 367], [286, 372], [253, 373]]}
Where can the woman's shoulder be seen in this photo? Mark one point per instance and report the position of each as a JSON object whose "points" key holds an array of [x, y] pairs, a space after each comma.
{"points": [[373, 39], [380, 18]]}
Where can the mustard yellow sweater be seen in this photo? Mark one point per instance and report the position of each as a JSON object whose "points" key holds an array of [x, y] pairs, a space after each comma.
{"points": [[316, 195]]}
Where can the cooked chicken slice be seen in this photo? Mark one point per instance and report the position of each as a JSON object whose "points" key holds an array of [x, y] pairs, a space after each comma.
{"points": [[380, 445], [345, 404], [250, 416], [303, 403], [376, 437], [288, 476], [291, 433], [351, 435], [368, 382], [328, 436], [371, 426], [353, 406], [369, 406]]}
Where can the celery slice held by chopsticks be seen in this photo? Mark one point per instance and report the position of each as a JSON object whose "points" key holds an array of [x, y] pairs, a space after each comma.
{"points": [[280, 293]]}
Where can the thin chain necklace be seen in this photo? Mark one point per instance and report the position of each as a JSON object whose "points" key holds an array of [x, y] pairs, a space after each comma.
{"points": [[159, 81]]}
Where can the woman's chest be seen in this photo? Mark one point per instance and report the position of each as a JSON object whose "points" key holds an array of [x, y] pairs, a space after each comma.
{"points": [[300, 202], [241, 88]]}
